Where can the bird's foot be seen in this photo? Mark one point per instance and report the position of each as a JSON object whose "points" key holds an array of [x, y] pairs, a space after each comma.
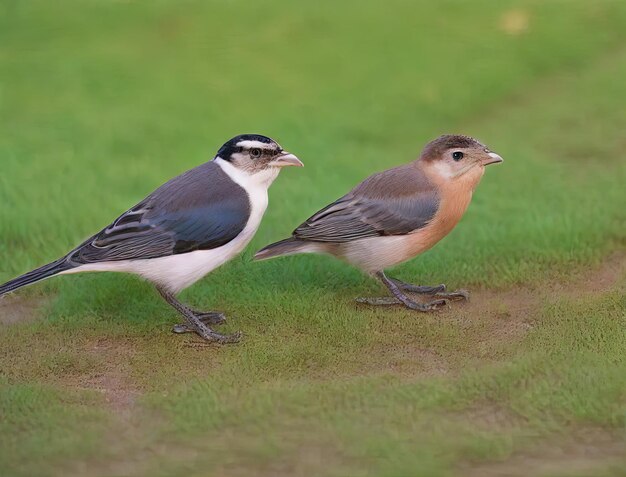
{"points": [[210, 335], [457, 295], [207, 333], [197, 322], [208, 318], [198, 325], [421, 289], [211, 317], [407, 302], [378, 301], [397, 288], [438, 290]]}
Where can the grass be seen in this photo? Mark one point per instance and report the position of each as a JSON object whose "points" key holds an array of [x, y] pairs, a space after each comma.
{"points": [[100, 102]]}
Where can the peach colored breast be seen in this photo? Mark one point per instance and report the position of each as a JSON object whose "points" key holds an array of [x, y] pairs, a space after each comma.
{"points": [[455, 197]]}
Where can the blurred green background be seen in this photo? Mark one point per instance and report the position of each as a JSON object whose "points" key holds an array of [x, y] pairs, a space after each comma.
{"points": [[102, 101]]}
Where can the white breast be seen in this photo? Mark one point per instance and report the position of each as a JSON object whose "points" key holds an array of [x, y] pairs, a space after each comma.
{"points": [[177, 272], [375, 253]]}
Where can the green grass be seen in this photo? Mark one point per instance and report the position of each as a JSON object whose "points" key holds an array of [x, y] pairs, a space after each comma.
{"points": [[101, 102]]}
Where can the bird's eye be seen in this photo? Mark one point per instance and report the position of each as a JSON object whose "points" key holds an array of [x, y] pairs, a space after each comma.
{"points": [[457, 155], [255, 153]]}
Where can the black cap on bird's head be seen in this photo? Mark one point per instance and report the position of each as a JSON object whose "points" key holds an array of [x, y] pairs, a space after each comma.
{"points": [[458, 154], [231, 146], [254, 152]]}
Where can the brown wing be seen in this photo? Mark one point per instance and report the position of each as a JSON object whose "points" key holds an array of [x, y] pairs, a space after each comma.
{"points": [[395, 202]]}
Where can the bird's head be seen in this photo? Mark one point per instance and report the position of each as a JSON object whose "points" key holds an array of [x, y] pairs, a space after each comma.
{"points": [[453, 157], [254, 154]]}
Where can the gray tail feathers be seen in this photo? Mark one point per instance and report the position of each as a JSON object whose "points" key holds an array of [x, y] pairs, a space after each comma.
{"points": [[288, 246], [36, 275]]}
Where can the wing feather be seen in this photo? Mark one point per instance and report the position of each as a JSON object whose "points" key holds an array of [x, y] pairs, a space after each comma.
{"points": [[394, 202], [199, 210]]}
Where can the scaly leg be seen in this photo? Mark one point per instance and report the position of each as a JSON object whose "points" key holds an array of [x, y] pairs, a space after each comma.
{"points": [[400, 298], [194, 322]]}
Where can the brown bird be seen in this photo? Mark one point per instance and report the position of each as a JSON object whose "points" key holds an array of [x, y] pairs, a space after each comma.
{"points": [[396, 215]]}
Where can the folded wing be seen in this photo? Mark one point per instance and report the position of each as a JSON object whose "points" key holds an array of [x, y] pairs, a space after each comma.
{"points": [[199, 210], [395, 202]]}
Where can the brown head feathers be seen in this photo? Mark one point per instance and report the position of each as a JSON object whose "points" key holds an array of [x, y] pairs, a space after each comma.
{"points": [[437, 147]]}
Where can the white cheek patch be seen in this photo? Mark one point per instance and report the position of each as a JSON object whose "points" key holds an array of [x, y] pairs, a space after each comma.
{"points": [[248, 180], [255, 144], [444, 169]]}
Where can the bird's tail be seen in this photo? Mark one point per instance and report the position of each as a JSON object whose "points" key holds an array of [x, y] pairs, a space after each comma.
{"points": [[36, 275], [288, 246]]}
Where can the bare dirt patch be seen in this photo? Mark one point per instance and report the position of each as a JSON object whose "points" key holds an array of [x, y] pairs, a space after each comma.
{"points": [[582, 452], [494, 318], [506, 316], [597, 281], [301, 457], [18, 309], [491, 322], [407, 360], [489, 416], [110, 375], [130, 443], [402, 360]]}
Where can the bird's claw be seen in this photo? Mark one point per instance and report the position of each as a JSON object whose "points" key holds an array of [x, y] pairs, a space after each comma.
{"points": [[210, 318], [205, 332], [212, 339], [441, 288], [456, 295], [181, 328], [383, 300], [224, 339], [391, 300], [209, 335], [437, 304]]}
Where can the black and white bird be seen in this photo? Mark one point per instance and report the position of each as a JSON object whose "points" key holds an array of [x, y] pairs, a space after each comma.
{"points": [[185, 229]]}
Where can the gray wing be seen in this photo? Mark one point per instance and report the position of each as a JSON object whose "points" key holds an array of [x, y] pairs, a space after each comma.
{"points": [[198, 210], [394, 202]]}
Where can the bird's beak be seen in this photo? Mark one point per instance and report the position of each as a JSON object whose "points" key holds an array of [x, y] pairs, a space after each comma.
{"points": [[493, 159], [286, 159]]}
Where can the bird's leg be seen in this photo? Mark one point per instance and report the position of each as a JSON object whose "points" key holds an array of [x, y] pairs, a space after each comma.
{"points": [[208, 318], [439, 290], [194, 322], [400, 298]]}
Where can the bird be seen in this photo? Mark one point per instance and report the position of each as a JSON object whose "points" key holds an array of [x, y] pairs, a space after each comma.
{"points": [[185, 229], [395, 215]]}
